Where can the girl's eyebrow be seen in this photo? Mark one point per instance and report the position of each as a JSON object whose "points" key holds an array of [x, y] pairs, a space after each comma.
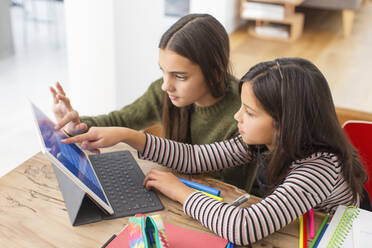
{"points": [[245, 105], [174, 72], [178, 72]]}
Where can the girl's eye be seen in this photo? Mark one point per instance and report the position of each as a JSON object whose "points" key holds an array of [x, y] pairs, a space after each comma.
{"points": [[182, 78], [248, 113]]}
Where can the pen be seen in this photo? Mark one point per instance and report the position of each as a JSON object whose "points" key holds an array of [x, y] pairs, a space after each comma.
{"points": [[304, 222], [236, 203], [241, 200], [321, 235], [301, 236], [109, 241], [319, 231], [210, 195], [201, 187], [151, 236], [311, 215], [112, 238]]}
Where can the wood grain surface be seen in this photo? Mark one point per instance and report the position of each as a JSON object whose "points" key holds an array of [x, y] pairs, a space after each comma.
{"points": [[33, 213]]}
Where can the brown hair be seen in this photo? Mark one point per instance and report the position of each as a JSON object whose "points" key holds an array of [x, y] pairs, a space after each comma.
{"points": [[296, 95], [204, 41]]}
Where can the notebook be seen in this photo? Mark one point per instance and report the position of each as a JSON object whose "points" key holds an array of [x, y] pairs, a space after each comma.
{"points": [[177, 236], [349, 227], [114, 181]]}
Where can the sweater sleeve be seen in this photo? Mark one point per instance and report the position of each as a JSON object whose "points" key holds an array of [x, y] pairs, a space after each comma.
{"points": [[142, 113], [190, 159], [305, 187]]}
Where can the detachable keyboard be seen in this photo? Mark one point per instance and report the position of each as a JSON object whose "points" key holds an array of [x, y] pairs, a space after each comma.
{"points": [[122, 179]]}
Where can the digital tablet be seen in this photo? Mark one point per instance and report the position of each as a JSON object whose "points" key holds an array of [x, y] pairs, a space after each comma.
{"points": [[70, 159]]}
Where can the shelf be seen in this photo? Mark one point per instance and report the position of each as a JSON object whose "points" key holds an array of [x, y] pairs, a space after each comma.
{"points": [[293, 2], [293, 20], [287, 20]]}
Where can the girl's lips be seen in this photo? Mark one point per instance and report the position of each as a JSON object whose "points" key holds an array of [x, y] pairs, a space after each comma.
{"points": [[173, 97], [241, 132]]}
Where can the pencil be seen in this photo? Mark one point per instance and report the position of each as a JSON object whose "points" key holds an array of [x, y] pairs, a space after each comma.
{"points": [[304, 222], [301, 236], [321, 235], [201, 187], [311, 215], [319, 231], [213, 196]]}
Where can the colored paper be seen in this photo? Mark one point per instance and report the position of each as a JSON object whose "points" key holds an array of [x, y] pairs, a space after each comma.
{"points": [[178, 237]]}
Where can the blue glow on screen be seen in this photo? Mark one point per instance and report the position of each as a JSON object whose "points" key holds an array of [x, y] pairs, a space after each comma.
{"points": [[70, 155]]}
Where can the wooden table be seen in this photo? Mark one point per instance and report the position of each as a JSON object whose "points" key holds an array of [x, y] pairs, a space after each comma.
{"points": [[33, 213]]}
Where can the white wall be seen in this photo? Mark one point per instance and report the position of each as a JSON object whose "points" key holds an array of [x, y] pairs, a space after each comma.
{"points": [[225, 11], [91, 54], [138, 28], [112, 51]]}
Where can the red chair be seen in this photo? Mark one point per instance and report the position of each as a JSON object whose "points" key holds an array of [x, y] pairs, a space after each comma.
{"points": [[360, 135]]}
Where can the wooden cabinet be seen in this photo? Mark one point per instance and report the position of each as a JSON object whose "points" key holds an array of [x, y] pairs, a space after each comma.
{"points": [[273, 19]]}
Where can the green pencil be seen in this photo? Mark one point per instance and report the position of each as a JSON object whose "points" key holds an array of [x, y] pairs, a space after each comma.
{"points": [[319, 231]]}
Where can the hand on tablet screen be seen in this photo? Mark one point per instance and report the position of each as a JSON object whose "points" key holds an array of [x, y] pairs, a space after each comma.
{"points": [[66, 116], [96, 137]]}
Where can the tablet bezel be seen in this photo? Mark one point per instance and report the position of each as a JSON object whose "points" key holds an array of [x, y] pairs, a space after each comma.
{"points": [[76, 180]]}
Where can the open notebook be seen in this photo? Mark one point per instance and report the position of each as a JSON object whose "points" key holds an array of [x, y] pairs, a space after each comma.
{"points": [[349, 227]]}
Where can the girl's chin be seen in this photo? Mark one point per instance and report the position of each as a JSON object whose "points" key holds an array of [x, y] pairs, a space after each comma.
{"points": [[179, 104]]}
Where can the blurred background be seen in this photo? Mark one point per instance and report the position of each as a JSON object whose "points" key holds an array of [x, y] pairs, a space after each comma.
{"points": [[104, 52]]}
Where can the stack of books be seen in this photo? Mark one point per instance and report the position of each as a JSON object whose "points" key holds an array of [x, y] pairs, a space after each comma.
{"points": [[273, 30], [256, 10]]}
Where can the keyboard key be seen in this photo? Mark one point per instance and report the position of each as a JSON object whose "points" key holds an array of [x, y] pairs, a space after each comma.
{"points": [[122, 179]]}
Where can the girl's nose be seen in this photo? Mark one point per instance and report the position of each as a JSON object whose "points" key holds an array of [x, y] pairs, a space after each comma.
{"points": [[237, 115], [167, 85]]}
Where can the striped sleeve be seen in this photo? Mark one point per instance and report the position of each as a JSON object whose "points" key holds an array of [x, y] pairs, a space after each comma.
{"points": [[307, 186], [190, 159]]}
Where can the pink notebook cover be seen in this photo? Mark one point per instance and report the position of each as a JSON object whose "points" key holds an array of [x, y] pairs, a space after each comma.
{"points": [[178, 237]]}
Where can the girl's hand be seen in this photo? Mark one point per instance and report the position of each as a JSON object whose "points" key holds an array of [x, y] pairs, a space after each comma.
{"points": [[97, 137], [65, 115], [168, 184]]}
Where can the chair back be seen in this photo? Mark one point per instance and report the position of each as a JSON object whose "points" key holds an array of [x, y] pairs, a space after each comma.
{"points": [[360, 135]]}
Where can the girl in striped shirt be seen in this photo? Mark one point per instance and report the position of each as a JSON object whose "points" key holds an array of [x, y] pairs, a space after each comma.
{"points": [[288, 114]]}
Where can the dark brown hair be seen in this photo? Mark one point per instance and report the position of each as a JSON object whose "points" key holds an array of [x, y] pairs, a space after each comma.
{"points": [[296, 95], [204, 41]]}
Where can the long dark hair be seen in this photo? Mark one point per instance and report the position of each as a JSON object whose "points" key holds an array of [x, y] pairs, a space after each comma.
{"points": [[204, 41], [296, 95]]}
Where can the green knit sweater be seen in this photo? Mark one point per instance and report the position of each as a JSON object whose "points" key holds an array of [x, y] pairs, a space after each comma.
{"points": [[207, 124]]}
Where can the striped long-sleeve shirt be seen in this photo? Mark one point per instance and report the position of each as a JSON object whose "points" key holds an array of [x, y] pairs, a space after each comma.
{"points": [[313, 182]]}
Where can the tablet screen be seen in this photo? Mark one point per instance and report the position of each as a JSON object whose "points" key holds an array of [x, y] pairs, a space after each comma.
{"points": [[70, 155]]}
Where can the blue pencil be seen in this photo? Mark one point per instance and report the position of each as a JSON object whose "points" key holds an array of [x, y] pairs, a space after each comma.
{"points": [[321, 235], [201, 187]]}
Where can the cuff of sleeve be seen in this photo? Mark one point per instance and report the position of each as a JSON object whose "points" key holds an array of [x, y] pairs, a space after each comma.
{"points": [[145, 153], [86, 120]]}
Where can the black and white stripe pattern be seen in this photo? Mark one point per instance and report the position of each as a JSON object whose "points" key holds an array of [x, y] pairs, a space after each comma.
{"points": [[193, 159], [314, 182]]}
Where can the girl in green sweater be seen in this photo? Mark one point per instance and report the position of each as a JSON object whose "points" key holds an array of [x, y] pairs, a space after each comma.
{"points": [[194, 101]]}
